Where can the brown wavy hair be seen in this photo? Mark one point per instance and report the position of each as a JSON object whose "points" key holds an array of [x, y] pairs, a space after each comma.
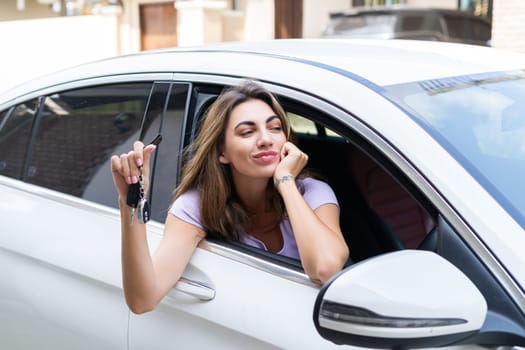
{"points": [[223, 214]]}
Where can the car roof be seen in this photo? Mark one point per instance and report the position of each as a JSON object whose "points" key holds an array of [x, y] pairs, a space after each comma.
{"points": [[370, 61], [387, 62]]}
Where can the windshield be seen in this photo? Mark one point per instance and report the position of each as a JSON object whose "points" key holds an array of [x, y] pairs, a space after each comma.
{"points": [[480, 120]]}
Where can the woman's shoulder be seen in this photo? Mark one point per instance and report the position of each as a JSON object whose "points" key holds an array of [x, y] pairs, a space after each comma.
{"points": [[309, 182], [187, 207], [316, 192], [190, 199], [190, 195]]}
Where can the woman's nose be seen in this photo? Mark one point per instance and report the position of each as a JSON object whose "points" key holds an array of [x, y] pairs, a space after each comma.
{"points": [[265, 138]]}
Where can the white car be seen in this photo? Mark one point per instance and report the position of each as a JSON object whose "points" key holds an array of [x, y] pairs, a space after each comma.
{"points": [[423, 143]]}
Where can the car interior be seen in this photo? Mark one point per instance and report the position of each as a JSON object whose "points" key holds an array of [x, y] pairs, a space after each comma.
{"points": [[378, 214]]}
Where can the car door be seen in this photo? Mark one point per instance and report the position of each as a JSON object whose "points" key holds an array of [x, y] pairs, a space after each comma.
{"points": [[60, 285]]}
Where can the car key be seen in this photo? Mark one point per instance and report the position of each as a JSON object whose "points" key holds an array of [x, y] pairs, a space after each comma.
{"points": [[135, 195], [133, 198]]}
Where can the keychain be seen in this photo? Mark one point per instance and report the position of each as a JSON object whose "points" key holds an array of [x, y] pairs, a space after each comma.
{"points": [[137, 201], [143, 206], [135, 197]]}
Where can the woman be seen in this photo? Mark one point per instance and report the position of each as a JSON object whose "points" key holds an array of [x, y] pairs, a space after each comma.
{"points": [[243, 180]]}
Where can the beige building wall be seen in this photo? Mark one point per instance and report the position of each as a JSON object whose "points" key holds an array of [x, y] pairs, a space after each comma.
{"points": [[59, 43], [252, 20], [317, 13], [259, 21], [10, 12], [508, 25], [199, 22]]}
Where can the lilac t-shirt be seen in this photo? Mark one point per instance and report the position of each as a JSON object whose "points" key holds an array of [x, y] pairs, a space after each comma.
{"points": [[315, 192]]}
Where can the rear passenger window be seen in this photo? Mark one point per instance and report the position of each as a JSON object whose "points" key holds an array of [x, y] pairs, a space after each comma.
{"points": [[78, 131], [15, 129], [301, 125]]}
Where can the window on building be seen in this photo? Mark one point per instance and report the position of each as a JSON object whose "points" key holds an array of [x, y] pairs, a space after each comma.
{"points": [[477, 7]]}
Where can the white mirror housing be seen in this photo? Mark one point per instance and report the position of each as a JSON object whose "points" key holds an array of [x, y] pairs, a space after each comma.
{"points": [[407, 298]]}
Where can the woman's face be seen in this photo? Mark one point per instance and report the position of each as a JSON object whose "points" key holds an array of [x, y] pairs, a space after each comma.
{"points": [[253, 139]]}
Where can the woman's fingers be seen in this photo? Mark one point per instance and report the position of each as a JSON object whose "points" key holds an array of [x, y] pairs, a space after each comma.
{"points": [[146, 154], [293, 160], [127, 167], [115, 165], [117, 171], [138, 148]]}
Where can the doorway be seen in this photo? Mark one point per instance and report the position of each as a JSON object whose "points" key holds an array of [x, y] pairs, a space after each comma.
{"points": [[158, 26], [288, 19]]}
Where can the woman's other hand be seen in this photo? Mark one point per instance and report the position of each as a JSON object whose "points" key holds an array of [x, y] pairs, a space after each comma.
{"points": [[293, 160]]}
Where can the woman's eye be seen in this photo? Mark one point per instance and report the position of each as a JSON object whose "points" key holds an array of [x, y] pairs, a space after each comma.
{"points": [[246, 132]]}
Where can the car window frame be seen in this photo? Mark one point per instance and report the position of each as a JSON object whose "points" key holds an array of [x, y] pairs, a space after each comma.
{"points": [[8, 115], [146, 136], [289, 104]]}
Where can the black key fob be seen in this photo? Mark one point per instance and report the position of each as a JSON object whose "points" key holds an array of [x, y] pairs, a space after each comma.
{"points": [[133, 195]]}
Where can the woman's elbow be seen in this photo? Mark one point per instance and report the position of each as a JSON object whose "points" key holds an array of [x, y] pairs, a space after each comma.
{"points": [[138, 306], [325, 272], [329, 267], [139, 309]]}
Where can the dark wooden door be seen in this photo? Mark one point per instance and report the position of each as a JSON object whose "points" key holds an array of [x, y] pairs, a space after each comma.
{"points": [[158, 26], [288, 19]]}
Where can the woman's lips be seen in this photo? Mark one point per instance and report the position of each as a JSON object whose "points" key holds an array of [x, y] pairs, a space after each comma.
{"points": [[266, 157]]}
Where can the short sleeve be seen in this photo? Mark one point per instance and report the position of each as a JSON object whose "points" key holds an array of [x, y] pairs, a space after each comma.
{"points": [[187, 207], [317, 192]]}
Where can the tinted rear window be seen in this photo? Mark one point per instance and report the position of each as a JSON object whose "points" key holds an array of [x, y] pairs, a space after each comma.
{"points": [[369, 23], [467, 28]]}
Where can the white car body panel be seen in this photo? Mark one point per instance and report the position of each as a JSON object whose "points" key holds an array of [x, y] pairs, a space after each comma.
{"points": [[180, 320], [73, 275]]}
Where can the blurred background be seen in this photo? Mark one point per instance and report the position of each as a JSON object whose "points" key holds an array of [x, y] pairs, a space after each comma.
{"points": [[40, 36]]}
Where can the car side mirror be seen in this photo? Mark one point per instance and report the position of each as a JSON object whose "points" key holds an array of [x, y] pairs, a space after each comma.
{"points": [[403, 299]]}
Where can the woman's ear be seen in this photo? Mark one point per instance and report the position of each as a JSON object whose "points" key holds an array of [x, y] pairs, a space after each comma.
{"points": [[223, 159]]}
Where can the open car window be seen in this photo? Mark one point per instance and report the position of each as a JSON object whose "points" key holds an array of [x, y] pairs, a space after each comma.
{"points": [[378, 214]]}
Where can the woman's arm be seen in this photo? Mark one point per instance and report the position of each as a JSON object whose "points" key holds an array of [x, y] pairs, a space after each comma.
{"points": [[147, 279], [321, 245]]}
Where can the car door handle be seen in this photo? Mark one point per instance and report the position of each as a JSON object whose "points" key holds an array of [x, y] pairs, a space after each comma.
{"points": [[197, 289]]}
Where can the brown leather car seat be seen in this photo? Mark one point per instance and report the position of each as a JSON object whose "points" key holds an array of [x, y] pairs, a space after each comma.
{"points": [[390, 200]]}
